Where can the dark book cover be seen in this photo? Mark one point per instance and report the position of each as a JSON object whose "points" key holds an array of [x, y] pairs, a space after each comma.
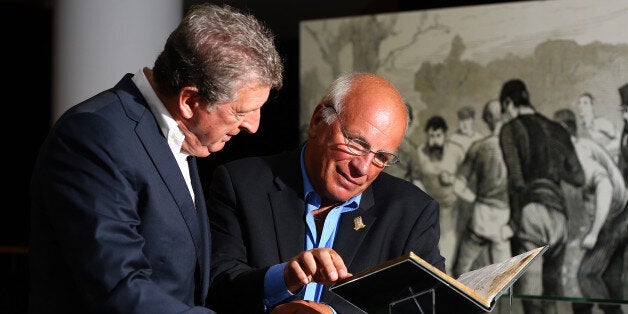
{"points": [[409, 284]]}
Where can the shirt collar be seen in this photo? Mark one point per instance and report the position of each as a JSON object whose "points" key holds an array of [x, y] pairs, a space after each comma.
{"points": [[166, 123]]}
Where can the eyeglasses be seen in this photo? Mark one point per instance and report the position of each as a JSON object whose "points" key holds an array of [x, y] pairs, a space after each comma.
{"points": [[359, 147]]}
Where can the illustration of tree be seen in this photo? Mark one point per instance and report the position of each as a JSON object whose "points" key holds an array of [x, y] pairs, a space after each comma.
{"points": [[364, 35], [454, 82]]}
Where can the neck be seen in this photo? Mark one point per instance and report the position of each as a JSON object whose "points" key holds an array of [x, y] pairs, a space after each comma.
{"points": [[174, 113]]}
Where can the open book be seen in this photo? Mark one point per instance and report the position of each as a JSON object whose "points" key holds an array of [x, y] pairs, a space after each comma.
{"points": [[380, 288]]}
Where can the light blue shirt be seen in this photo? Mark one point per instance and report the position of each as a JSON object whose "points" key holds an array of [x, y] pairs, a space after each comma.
{"points": [[275, 290]]}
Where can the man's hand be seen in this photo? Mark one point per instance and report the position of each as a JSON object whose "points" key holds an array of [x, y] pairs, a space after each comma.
{"points": [[302, 307], [322, 265]]}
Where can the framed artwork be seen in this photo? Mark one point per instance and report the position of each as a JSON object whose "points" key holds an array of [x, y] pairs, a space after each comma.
{"points": [[449, 64]]}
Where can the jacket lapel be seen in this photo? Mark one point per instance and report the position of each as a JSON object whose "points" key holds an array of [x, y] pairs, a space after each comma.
{"points": [[354, 226], [157, 149], [203, 221], [288, 207], [288, 212]]}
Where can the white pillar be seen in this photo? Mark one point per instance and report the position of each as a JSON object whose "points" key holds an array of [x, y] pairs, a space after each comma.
{"points": [[96, 42]]}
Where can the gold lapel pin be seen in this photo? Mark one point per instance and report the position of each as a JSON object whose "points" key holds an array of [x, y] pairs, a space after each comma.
{"points": [[357, 223]]}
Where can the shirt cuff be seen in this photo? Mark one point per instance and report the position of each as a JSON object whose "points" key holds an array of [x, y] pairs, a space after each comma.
{"points": [[275, 290]]}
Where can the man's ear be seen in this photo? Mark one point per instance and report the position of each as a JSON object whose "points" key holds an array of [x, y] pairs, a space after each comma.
{"points": [[188, 100]]}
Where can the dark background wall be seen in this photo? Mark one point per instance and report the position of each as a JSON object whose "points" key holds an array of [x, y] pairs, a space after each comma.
{"points": [[26, 27]]}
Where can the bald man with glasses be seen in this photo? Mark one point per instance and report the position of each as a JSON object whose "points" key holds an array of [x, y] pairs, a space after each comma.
{"points": [[286, 227]]}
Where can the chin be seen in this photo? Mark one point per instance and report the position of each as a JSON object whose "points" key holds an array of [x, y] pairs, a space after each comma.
{"points": [[215, 147], [202, 152], [344, 193]]}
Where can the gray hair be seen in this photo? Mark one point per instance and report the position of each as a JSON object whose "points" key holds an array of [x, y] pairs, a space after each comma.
{"points": [[218, 50], [335, 95]]}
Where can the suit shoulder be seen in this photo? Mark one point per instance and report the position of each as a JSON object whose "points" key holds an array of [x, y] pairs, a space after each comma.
{"points": [[256, 166], [389, 185]]}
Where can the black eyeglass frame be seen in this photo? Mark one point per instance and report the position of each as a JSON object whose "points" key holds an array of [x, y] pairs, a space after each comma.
{"points": [[361, 148]]}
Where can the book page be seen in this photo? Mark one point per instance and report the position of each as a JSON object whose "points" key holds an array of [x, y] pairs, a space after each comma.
{"points": [[452, 281], [492, 279]]}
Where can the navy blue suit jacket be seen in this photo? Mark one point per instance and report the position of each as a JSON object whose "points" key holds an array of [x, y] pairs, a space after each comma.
{"points": [[113, 225], [257, 217]]}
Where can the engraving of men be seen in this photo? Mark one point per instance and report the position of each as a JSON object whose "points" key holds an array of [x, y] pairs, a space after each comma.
{"points": [[539, 156], [438, 161], [484, 169], [599, 129], [466, 133], [605, 198]]}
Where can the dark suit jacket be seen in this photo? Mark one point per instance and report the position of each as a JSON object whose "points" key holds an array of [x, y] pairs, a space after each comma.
{"points": [[257, 212], [539, 154], [113, 225]]}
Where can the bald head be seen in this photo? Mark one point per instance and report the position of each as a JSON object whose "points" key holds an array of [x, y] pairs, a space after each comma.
{"points": [[373, 92], [492, 114], [365, 94]]}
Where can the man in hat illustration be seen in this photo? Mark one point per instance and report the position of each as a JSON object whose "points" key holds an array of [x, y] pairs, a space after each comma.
{"points": [[539, 156]]}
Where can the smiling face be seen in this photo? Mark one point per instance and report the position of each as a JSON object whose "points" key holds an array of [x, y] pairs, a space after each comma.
{"points": [[374, 113], [208, 130]]}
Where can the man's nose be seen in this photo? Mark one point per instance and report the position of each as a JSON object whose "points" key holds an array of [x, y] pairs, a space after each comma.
{"points": [[362, 163], [251, 121]]}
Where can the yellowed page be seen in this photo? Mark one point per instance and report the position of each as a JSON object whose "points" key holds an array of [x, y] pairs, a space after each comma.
{"points": [[485, 283], [488, 281], [466, 290]]}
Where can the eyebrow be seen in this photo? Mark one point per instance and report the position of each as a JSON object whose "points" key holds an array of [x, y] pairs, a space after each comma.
{"points": [[246, 111], [353, 135], [361, 138]]}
